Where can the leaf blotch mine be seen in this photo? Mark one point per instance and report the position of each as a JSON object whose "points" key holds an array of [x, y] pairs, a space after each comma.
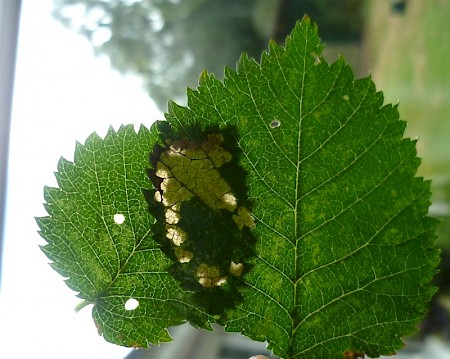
{"points": [[203, 223]]}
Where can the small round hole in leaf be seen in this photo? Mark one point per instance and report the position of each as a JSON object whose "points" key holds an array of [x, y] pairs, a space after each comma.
{"points": [[119, 218], [131, 304], [275, 124]]}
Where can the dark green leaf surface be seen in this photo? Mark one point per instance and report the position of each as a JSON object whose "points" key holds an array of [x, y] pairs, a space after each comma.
{"points": [[344, 247], [106, 262]]}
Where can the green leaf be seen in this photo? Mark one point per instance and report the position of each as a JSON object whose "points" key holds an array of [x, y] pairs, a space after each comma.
{"points": [[344, 251], [284, 205], [99, 238]]}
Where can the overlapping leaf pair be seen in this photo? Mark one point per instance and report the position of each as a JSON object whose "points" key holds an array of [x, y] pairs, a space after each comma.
{"points": [[283, 203]]}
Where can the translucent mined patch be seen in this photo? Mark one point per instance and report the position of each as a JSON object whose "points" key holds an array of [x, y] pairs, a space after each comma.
{"points": [[209, 276], [204, 270], [217, 282], [205, 282], [183, 256], [162, 171], [158, 197], [189, 169], [244, 218], [172, 217], [229, 201], [176, 235], [236, 268]]}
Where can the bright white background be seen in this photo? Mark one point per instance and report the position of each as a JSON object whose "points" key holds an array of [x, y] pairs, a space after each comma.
{"points": [[62, 94]]}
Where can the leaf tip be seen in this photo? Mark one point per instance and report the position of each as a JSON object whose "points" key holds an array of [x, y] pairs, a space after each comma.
{"points": [[306, 19], [203, 77]]}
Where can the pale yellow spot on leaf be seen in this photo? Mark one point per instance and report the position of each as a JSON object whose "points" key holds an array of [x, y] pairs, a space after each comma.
{"points": [[158, 197], [183, 255], [236, 268], [205, 282], [209, 276], [244, 218], [162, 171], [176, 235], [230, 201], [172, 217], [189, 169], [217, 282]]}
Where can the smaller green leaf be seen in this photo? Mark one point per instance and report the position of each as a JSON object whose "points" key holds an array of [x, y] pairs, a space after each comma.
{"points": [[99, 238]]}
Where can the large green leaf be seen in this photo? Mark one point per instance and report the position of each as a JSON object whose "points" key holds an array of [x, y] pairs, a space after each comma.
{"points": [[286, 207], [344, 247]]}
